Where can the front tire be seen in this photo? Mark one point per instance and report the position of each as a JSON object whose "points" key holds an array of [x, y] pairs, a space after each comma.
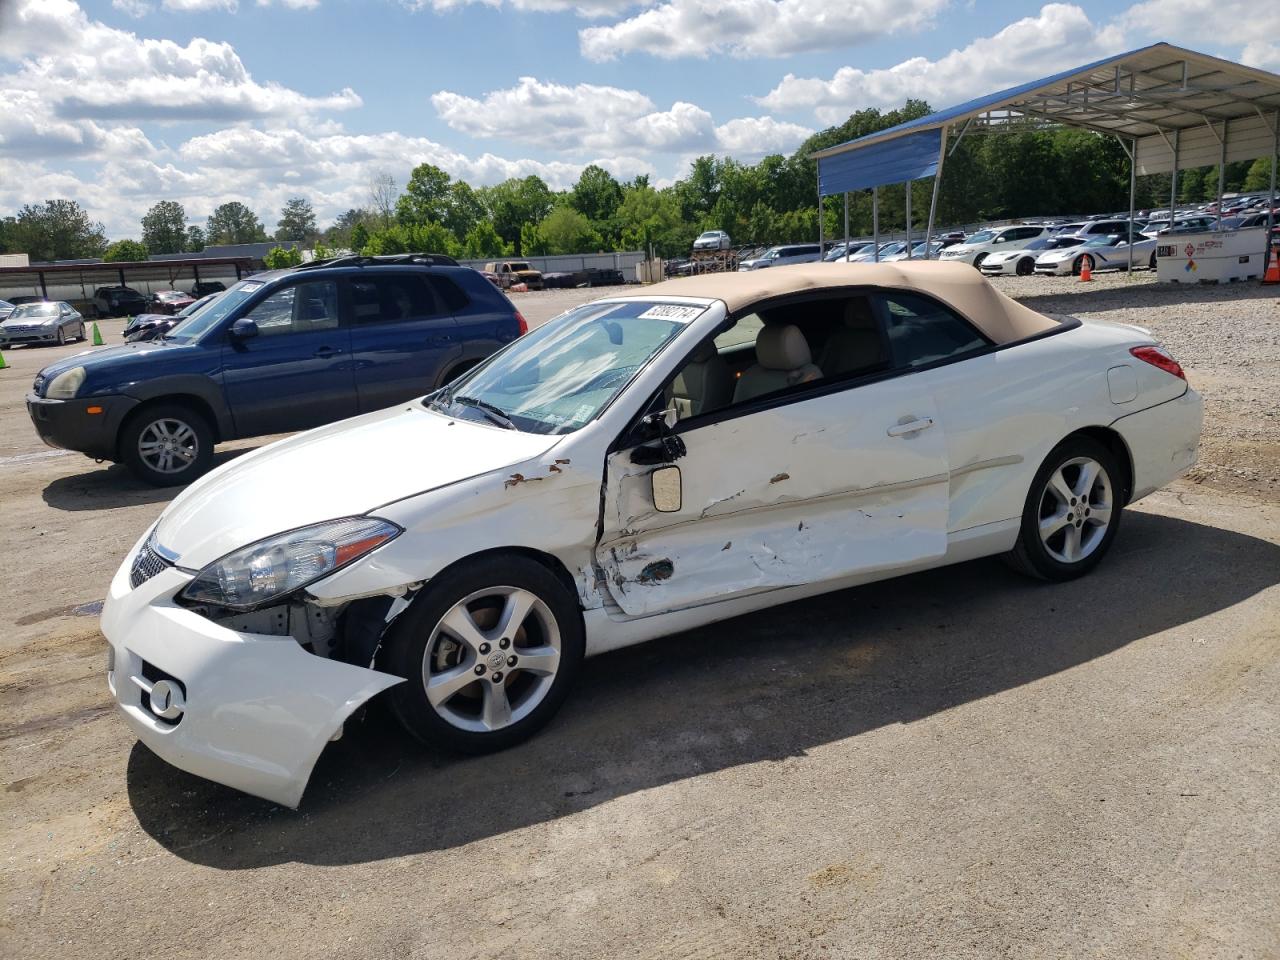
{"points": [[62, 337], [489, 651], [1026, 267], [1072, 512], [1078, 267], [167, 444], [977, 261]]}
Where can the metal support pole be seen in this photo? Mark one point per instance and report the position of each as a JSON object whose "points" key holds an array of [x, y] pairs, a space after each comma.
{"points": [[1222, 171], [846, 226], [44, 290], [820, 217], [120, 271], [1271, 205], [195, 270], [937, 187], [875, 219], [908, 219], [1173, 180], [1133, 188]]}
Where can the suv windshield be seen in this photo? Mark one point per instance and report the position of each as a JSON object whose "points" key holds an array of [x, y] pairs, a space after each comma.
{"points": [[200, 323], [558, 377]]}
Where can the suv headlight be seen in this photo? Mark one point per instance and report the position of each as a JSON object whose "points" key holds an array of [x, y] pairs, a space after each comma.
{"points": [[269, 569], [66, 384]]}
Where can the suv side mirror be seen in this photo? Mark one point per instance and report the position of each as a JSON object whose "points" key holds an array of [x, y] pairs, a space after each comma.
{"points": [[244, 329]]}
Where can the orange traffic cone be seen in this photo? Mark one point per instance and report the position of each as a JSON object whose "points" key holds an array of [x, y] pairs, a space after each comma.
{"points": [[1086, 270], [1273, 271]]}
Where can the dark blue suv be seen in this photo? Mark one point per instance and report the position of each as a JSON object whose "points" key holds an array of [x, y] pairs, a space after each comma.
{"points": [[281, 351]]}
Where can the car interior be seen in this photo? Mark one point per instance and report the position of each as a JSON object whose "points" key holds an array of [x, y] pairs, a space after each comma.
{"points": [[790, 346]]}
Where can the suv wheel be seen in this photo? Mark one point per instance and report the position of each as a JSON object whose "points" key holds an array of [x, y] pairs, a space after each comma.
{"points": [[166, 444]]}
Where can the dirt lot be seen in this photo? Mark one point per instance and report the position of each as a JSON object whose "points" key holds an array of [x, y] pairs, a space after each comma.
{"points": [[954, 764]]}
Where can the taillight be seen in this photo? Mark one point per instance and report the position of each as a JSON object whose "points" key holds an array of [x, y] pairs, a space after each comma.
{"points": [[1159, 357], [524, 324]]}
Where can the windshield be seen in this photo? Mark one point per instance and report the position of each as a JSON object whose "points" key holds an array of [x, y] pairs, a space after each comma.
{"points": [[519, 266], [199, 323], [772, 253], [560, 376], [982, 236], [199, 305], [1110, 241], [35, 310]]}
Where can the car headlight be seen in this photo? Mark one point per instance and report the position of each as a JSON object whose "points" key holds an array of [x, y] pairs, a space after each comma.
{"points": [[66, 384], [269, 569]]}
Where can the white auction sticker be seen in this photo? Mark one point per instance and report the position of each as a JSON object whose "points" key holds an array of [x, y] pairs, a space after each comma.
{"points": [[671, 311]]}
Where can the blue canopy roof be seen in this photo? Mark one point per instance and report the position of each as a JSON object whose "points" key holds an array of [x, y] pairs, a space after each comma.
{"points": [[1143, 95]]}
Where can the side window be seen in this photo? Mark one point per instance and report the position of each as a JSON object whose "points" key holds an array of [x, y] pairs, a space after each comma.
{"points": [[922, 331], [300, 308], [386, 299], [448, 293]]}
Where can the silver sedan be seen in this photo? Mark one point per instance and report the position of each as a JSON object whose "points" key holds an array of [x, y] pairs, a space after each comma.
{"points": [[31, 323]]}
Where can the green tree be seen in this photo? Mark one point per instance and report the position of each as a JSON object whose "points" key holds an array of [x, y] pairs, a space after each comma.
{"points": [[652, 219], [359, 238], [297, 221], [483, 241], [532, 242], [279, 258], [463, 209], [596, 195], [565, 230], [195, 239], [164, 227], [426, 196], [125, 251], [517, 203], [233, 222], [56, 230], [1259, 175]]}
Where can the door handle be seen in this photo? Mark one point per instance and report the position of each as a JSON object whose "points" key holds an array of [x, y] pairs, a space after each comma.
{"points": [[324, 352], [910, 427], [440, 340]]}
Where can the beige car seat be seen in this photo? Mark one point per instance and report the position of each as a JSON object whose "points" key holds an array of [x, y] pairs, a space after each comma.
{"points": [[855, 346], [704, 384], [782, 360]]}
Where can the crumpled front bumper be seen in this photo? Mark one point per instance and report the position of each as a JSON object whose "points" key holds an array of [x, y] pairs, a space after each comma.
{"points": [[256, 710]]}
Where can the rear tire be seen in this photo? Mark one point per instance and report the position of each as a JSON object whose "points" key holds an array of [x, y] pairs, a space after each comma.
{"points": [[1152, 262], [1071, 514], [481, 700], [82, 337], [977, 261], [166, 444]]}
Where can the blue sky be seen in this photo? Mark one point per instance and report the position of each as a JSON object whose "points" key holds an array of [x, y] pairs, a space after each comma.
{"points": [[119, 103]]}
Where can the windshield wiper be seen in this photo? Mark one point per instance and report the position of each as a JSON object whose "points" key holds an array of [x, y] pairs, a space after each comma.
{"points": [[492, 414]]}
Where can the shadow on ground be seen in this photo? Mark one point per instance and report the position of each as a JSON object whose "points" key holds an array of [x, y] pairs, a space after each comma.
{"points": [[762, 687], [112, 485]]}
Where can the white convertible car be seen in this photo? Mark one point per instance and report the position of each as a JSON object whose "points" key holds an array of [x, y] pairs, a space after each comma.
{"points": [[638, 466]]}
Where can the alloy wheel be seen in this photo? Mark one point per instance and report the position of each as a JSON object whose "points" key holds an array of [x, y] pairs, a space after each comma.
{"points": [[491, 659], [168, 446], [1076, 508]]}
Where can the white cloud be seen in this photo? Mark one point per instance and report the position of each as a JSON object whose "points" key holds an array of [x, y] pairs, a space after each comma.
{"points": [[598, 118], [753, 28], [198, 6], [1192, 23], [105, 73], [586, 8], [1259, 53], [1059, 37], [132, 8]]}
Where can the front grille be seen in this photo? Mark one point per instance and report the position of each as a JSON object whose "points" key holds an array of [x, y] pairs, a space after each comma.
{"points": [[145, 566]]}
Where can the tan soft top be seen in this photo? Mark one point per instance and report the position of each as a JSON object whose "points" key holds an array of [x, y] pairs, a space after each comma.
{"points": [[958, 285]]}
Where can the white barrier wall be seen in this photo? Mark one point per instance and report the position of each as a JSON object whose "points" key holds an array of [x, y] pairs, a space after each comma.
{"points": [[1210, 257]]}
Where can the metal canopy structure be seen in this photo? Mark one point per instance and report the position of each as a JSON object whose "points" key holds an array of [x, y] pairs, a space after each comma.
{"points": [[1171, 108], [96, 273]]}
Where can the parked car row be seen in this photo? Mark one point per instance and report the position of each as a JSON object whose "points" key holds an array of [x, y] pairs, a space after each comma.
{"points": [[124, 301]]}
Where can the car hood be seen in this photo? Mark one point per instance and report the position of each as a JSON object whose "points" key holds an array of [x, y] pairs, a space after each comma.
{"points": [[1053, 256], [26, 321], [113, 363], [344, 469]]}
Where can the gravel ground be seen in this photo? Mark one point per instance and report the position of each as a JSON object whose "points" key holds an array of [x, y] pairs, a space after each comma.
{"points": [[958, 764]]}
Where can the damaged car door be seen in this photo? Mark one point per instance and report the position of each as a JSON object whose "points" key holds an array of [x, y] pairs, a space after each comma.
{"points": [[801, 487]]}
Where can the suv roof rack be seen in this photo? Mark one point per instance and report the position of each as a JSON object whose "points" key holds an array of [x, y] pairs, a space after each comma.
{"points": [[359, 260]]}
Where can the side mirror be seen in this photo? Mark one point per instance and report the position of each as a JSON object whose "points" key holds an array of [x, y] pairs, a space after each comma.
{"points": [[244, 329], [667, 489]]}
